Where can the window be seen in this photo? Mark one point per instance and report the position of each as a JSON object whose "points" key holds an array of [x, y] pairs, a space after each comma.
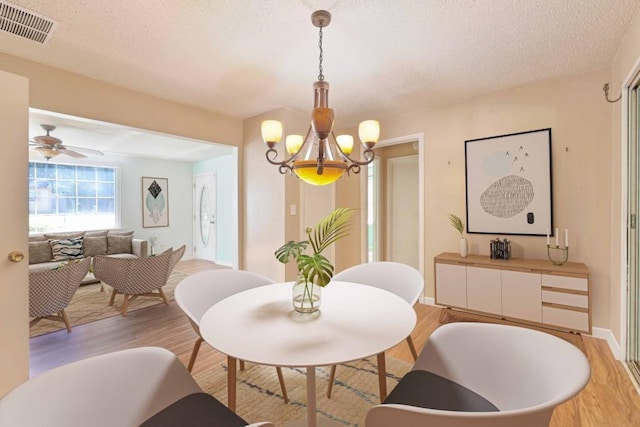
{"points": [[70, 197]]}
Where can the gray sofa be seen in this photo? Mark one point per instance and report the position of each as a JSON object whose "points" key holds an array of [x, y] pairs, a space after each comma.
{"points": [[50, 250]]}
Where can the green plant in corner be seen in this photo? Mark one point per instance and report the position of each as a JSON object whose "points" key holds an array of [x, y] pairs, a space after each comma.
{"points": [[457, 223], [316, 268]]}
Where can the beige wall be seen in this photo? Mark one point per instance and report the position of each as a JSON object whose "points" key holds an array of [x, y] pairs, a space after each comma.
{"points": [[623, 67], [59, 91], [269, 196], [581, 155]]}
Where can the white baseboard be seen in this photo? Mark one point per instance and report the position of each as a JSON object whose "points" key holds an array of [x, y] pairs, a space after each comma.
{"points": [[428, 301], [607, 335]]}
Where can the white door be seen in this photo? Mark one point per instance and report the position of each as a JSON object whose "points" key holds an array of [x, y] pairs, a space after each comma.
{"points": [[14, 282], [204, 215], [402, 210]]}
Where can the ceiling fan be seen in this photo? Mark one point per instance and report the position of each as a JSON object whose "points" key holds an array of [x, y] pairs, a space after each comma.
{"points": [[50, 146]]}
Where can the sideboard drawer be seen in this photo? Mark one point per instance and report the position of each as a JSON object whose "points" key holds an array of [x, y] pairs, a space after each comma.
{"points": [[574, 320], [565, 282], [564, 298]]}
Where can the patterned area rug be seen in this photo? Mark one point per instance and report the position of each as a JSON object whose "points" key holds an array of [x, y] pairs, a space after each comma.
{"points": [[260, 399], [89, 303]]}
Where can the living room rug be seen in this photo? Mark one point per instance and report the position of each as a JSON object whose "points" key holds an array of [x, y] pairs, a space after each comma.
{"points": [[259, 397], [89, 303]]}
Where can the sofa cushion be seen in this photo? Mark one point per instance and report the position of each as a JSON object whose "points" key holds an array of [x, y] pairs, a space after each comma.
{"points": [[118, 244], [427, 390], [39, 252], [66, 249], [37, 238], [63, 236], [96, 233], [120, 233], [93, 246]]}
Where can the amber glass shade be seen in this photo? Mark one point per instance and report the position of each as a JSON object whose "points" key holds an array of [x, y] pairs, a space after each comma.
{"points": [[307, 170]]}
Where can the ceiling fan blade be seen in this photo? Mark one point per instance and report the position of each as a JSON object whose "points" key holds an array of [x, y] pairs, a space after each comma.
{"points": [[81, 150], [72, 153]]}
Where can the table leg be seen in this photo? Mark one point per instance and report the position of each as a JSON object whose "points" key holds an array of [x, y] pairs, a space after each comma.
{"points": [[311, 396], [231, 383], [382, 376]]}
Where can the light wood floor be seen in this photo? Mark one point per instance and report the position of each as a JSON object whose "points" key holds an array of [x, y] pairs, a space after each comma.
{"points": [[609, 399]]}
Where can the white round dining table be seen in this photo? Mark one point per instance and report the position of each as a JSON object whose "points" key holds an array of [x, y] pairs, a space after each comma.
{"points": [[260, 325]]}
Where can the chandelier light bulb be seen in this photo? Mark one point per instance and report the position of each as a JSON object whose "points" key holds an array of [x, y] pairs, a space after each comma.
{"points": [[293, 143], [369, 132]]}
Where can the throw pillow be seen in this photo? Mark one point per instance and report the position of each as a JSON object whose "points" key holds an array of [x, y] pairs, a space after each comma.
{"points": [[39, 252], [93, 246], [96, 233], [66, 249], [120, 233], [119, 244], [63, 236]]}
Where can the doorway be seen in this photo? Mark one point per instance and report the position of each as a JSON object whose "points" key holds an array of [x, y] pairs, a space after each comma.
{"points": [[394, 200], [633, 236], [204, 218]]}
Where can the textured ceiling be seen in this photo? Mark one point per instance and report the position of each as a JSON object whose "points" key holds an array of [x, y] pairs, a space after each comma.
{"points": [[381, 57]]}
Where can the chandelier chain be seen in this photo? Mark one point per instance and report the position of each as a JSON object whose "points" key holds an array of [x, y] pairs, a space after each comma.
{"points": [[320, 76]]}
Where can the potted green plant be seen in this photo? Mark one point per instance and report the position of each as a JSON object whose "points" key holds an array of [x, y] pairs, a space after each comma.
{"points": [[457, 223], [314, 271]]}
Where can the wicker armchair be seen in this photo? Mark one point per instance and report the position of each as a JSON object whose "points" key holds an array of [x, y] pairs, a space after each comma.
{"points": [[50, 291], [177, 256], [134, 277]]}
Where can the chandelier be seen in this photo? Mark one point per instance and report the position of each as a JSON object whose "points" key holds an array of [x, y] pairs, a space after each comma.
{"points": [[320, 158]]}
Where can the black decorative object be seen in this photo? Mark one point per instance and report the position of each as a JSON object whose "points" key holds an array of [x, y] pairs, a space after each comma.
{"points": [[500, 249]]}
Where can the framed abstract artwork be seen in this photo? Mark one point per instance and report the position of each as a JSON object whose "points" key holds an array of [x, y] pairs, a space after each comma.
{"points": [[508, 184], [155, 202]]}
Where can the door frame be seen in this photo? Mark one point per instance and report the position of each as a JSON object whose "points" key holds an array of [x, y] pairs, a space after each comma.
{"points": [[419, 138]]}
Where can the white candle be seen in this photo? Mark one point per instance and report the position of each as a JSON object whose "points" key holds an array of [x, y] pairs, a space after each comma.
{"points": [[557, 243], [566, 237], [547, 236]]}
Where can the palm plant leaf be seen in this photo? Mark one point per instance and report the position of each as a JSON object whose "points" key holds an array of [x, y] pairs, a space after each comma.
{"points": [[290, 250], [456, 222], [330, 229]]}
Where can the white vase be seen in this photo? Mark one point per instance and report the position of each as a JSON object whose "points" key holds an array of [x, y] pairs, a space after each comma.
{"points": [[464, 247]]}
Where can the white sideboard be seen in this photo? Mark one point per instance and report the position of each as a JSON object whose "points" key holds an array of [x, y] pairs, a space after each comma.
{"points": [[530, 291]]}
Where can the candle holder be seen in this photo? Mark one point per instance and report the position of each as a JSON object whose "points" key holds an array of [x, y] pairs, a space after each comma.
{"points": [[564, 254]]}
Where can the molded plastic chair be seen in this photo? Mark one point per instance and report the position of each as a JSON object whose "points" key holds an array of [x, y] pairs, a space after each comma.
{"points": [[134, 277], [200, 291], [400, 279], [50, 291], [123, 388], [524, 373]]}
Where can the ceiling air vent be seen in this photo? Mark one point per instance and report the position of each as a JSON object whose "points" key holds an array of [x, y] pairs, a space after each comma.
{"points": [[25, 23]]}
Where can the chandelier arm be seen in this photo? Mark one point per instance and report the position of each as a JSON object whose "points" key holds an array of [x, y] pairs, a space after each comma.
{"points": [[271, 155]]}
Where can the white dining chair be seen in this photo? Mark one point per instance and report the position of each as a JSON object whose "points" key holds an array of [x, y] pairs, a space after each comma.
{"points": [[146, 386], [198, 292], [395, 277], [473, 374]]}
